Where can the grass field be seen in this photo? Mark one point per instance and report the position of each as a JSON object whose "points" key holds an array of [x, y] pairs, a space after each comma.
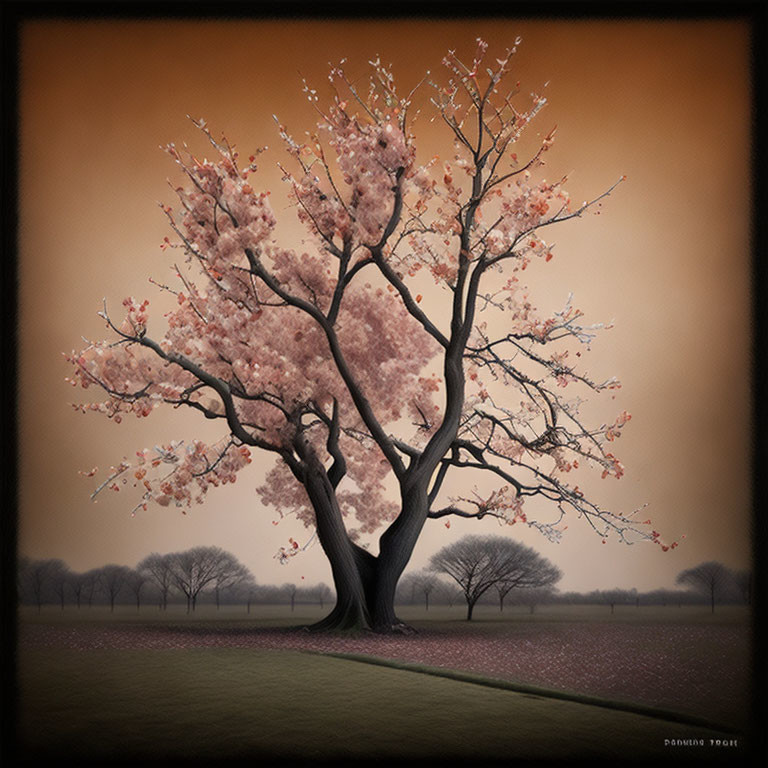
{"points": [[121, 701]]}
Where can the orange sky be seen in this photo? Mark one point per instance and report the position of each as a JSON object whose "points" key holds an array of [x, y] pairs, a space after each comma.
{"points": [[666, 103]]}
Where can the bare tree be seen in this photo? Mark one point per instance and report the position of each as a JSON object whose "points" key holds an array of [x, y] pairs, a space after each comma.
{"points": [[533, 596], [78, 583], [112, 579], [743, 583], [424, 583], [22, 566], [196, 568], [710, 577], [322, 592], [407, 588], [159, 569], [230, 573], [450, 591], [241, 591], [60, 580], [290, 590], [251, 595], [36, 577], [269, 594], [136, 581], [90, 585], [502, 588], [612, 597], [665, 597], [477, 563], [529, 560]]}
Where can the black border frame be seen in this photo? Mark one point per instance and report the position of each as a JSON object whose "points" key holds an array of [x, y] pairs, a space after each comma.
{"points": [[16, 12]]}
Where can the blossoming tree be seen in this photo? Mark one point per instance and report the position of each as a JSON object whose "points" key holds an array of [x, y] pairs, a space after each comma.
{"points": [[332, 362]]}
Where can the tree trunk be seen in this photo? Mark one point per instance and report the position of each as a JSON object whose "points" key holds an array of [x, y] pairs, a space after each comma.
{"points": [[712, 599], [501, 603], [470, 608], [350, 565], [395, 549], [365, 585]]}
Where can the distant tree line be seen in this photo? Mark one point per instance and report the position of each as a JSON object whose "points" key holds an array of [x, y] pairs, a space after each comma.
{"points": [[426, 589], [479, 577], [200, 574], [475, 570]]}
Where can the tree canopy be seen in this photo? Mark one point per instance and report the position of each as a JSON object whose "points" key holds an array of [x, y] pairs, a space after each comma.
{"points": [[372, 354]]}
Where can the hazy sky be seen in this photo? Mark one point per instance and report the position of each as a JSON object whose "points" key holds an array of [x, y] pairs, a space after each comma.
{"points": [[666, 103]]}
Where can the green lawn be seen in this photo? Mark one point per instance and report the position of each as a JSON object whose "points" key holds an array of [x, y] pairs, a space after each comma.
{"points": [[106, 705]]}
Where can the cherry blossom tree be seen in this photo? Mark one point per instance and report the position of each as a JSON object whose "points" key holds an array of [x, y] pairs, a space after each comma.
{"points": [[335, 359]]}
